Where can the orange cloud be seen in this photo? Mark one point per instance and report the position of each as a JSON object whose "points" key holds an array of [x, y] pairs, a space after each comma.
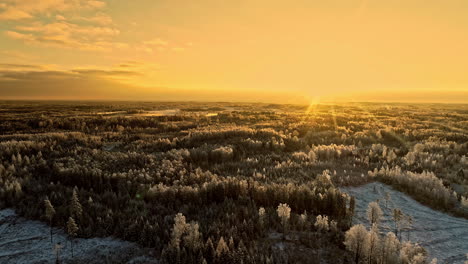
{"points": [[67, 35], [21, 9]]}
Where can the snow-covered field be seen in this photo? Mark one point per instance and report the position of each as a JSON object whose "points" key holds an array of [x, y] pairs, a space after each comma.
{"points": [[26, 241], [444, 236]]}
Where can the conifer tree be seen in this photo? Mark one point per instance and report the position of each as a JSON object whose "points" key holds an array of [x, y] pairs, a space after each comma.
{"points": [[49, 213], [193, 237], [178, 229], [209, 250], [76, 210], [222, 248], [72, 230]]}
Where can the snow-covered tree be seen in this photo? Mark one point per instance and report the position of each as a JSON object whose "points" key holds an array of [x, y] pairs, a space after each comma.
{"points": [[387, 199], [334, 226], [76, 209], [464, 202], [390, 246], [72, 229], [373, 243], [303, 220], [178, 229], [408, 223], [222, 248], [57, 249], [312, 156], [193, 237], [321, 223], [49, 213], [374, 213], [261, 216], [356, 241], [397, 216], [284, 213], [412, 253]]}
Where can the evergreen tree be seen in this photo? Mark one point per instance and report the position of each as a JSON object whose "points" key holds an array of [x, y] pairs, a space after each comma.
{"points": [[72, 229], [76, 210], [222, 250], [193, 237], [178, 229], [49, 213], [209, 251]]}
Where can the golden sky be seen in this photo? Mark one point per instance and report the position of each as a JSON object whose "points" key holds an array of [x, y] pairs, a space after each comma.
{"points": [[256, 50]]}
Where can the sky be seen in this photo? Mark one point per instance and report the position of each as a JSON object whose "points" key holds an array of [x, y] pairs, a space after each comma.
{"points": [[295, 51]]}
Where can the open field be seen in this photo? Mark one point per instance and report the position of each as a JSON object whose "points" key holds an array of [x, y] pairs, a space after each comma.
{"points": [[444, 236], [28, 241]]}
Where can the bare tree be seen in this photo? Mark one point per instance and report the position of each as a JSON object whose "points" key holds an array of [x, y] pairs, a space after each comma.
{"points": [[387, 199], [397, 216], [408, 222]]}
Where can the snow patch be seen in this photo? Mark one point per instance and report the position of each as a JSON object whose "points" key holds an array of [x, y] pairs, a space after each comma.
{"points": [[444, 236], [27, 241]]}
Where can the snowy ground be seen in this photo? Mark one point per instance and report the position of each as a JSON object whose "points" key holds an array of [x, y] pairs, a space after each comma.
{"points": [[444, 236], [26, 241]]}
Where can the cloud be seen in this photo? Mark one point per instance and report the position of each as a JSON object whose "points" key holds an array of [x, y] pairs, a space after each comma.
{"points": [[59, 85], [35, 81], [95, 4], [100, 19], [155, 42], [101, 84], [138, 66], [14, 14], [69, 29], [26, 9], [14, 66], [118, 75], [158, 44], [66, 26], [60, 17], [19, 36], [17, 55], [64, 34]]}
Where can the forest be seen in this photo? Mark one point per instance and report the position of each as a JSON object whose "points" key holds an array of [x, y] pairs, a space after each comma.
{"points": [[227, 183]]}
